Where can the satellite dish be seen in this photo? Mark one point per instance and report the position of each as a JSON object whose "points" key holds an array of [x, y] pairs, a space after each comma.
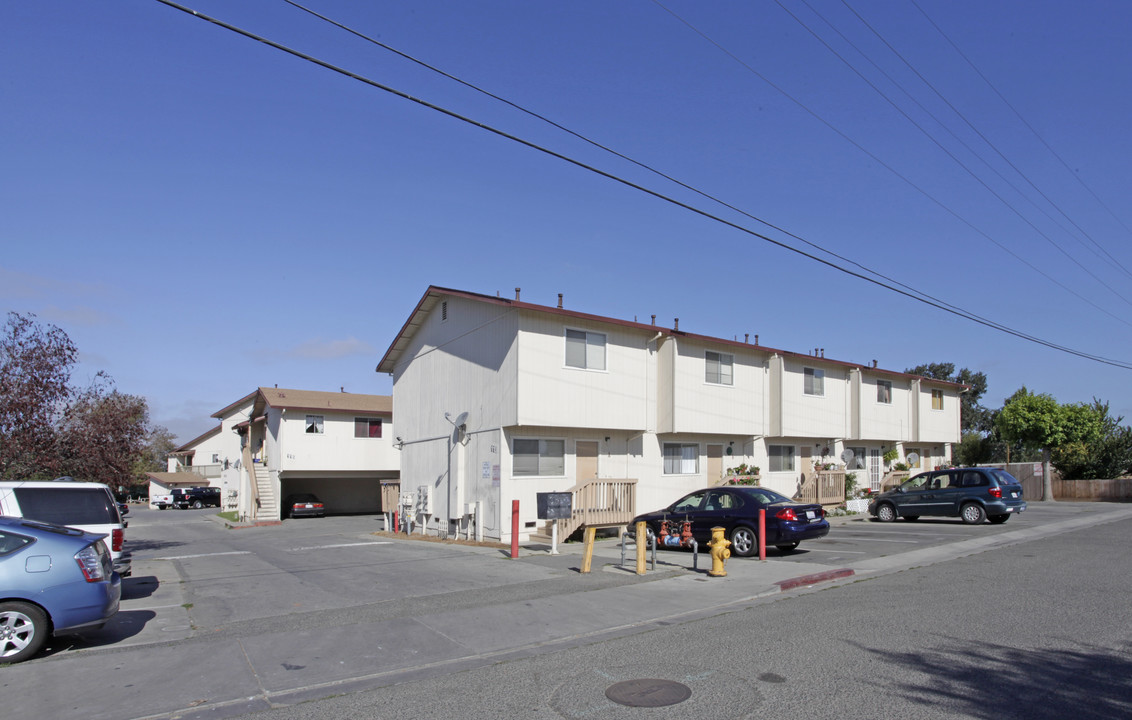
{"points": [[459, 425], [847, 457], [913, 458], [461, 419]]}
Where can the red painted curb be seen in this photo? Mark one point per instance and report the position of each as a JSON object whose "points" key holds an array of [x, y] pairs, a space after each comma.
{"points": [[814, 579]]}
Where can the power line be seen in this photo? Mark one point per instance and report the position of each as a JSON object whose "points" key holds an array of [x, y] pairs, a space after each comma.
{"points": [[660, 196]]}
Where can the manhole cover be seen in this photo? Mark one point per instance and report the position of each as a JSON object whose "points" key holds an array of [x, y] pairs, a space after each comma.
{"points": [[648, 693]]}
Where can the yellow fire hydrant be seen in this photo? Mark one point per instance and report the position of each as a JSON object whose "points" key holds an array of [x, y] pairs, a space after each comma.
{"points": [[719, 552]]}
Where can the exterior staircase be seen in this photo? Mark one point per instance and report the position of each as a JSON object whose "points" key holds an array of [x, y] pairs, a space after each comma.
{"points": [[268, 506]]}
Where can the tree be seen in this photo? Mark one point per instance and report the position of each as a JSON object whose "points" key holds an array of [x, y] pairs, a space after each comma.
{"points": [[1108, 456], [35, 374], [103, 435], [1038, 421], [47, 427]]}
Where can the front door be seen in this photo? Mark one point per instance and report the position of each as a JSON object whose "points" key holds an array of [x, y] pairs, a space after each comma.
{"points": [[586, 465], [874, 469], [714, 464]]}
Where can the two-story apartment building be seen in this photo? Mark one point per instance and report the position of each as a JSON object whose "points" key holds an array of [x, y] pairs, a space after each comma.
{"points": [[500, 399], [276, 442]]}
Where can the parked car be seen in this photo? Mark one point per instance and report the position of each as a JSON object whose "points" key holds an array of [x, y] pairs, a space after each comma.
{"points": [[736, 509], [303, 505], [88, 506], [974, 494], [54, 580], [195, 497]]}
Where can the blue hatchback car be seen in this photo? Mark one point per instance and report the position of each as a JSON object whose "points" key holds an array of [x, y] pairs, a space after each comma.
{"points": [[735, 508], [54, 580]]}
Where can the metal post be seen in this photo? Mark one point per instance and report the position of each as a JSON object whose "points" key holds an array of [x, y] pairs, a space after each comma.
{"points": [[762, 534], [514, 529], [553, 537]]}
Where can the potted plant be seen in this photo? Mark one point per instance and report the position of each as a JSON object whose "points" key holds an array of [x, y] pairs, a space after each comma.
{"points": [[743, 474]]}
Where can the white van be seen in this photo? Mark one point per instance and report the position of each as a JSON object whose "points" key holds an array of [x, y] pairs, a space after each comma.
{"points": [[84, 505]]}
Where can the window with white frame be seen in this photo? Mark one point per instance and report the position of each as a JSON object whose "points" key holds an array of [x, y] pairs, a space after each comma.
{"points": [[814, 381], [585, 349], [859, 460], [719, 368], [781, 458], [367, 427], [534, 457], [937, 399], [314, 425], [884, 392], [681, 458]]}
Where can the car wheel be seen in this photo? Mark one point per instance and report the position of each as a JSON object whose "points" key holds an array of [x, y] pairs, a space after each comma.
{"points": [[998, 519], [788, 547], [911, 518], [23, 630], [198, 505], [886, 512], [973, 514], [744, 541]]}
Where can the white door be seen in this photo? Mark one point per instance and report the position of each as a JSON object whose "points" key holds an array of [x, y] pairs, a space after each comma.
{"points": [[874, 469]]}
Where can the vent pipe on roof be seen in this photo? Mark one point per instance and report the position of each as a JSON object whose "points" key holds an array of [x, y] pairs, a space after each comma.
{"points": [[756, 338], [747, 338], [342, 388], [676, 324], [654, 320], [823, 352], [517, 293], [559, 301], [874, 363]]}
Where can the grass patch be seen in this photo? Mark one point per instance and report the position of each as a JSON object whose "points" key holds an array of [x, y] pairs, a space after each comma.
{"points": [[230, 515]]}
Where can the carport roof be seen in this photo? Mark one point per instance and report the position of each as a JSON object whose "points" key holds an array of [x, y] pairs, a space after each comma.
{"points": [[318, 400]]}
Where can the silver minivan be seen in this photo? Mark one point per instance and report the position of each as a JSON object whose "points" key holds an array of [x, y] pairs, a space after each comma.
{"points": [[84, 505]]}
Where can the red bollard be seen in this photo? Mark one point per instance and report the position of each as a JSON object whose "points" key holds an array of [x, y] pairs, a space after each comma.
{"points": [[396, 527], [762, 534], [514, 529]]}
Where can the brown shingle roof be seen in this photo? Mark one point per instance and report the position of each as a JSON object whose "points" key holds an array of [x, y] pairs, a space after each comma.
{"points": [[318, 400]]}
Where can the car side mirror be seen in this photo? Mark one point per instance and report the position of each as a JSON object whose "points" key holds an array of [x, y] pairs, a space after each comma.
{"points": [[900, 490]]}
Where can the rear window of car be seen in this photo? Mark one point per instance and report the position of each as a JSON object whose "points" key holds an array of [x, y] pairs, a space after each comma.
{"points": [[68, 506], [1003, 477]]}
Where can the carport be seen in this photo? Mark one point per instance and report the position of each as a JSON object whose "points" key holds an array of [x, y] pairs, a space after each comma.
{"points": [[342, 493]]}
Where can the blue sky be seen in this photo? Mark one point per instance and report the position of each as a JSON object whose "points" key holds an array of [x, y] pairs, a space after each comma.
{"points": [[204, 214]]}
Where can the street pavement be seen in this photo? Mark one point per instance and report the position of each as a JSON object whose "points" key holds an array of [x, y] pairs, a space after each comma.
{"points": [[157, 664]]}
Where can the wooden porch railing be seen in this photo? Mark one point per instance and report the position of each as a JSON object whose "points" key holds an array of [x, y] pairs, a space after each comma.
{"points": [[826, 487], [249, 469], [601, 502], [893, 478]]}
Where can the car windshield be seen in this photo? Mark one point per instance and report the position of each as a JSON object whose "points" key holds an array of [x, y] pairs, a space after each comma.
{"points": [[918, 482]]}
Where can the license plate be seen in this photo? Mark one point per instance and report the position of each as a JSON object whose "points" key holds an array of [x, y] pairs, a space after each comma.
{"points": [[810, 515], [1009, 509], [1013, 494]]}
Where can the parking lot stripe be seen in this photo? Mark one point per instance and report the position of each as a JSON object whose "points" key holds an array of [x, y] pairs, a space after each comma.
{"points": [[340, 545], [186, 557]]}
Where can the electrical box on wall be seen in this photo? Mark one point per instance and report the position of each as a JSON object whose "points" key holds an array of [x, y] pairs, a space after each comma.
{"points": [[424, 499]]}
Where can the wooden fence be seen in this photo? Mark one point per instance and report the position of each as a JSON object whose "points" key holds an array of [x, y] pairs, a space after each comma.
{"points": [[600, 503], [825, 486]]}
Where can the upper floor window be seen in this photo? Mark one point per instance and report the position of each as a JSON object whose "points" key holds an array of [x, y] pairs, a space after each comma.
{"points": [[781, 458], [681, 459], [884, 392], [367, 427], [585, 350], [937, 399], [815, 381], [533, 457], [314, 424], [718, 368]]}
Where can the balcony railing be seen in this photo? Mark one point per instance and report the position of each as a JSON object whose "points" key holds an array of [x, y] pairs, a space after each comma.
{"points": [[826, 487]]}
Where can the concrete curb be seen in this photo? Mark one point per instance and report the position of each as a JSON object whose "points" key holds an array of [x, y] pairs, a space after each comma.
{"points": [[814, 578]]}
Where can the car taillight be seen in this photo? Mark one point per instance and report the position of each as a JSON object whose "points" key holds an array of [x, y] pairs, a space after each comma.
{"points": [[316, 505], [117, 537], [91, 564], [786, 514], [996, 492]]}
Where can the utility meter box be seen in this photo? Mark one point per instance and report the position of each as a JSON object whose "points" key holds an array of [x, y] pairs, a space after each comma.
{"points": [[424, 499], [408, 499]]}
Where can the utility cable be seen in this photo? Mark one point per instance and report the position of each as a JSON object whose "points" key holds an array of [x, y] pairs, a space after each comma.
{"points": [[660, 196]]}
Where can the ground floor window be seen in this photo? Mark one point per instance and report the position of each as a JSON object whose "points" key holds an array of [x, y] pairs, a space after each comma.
{"points": [[681, 459], [781, 458], [533, 457]]}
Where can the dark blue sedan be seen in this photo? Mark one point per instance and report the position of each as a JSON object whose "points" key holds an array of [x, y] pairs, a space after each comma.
{"points": [[735, 508], [53, 580]]}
